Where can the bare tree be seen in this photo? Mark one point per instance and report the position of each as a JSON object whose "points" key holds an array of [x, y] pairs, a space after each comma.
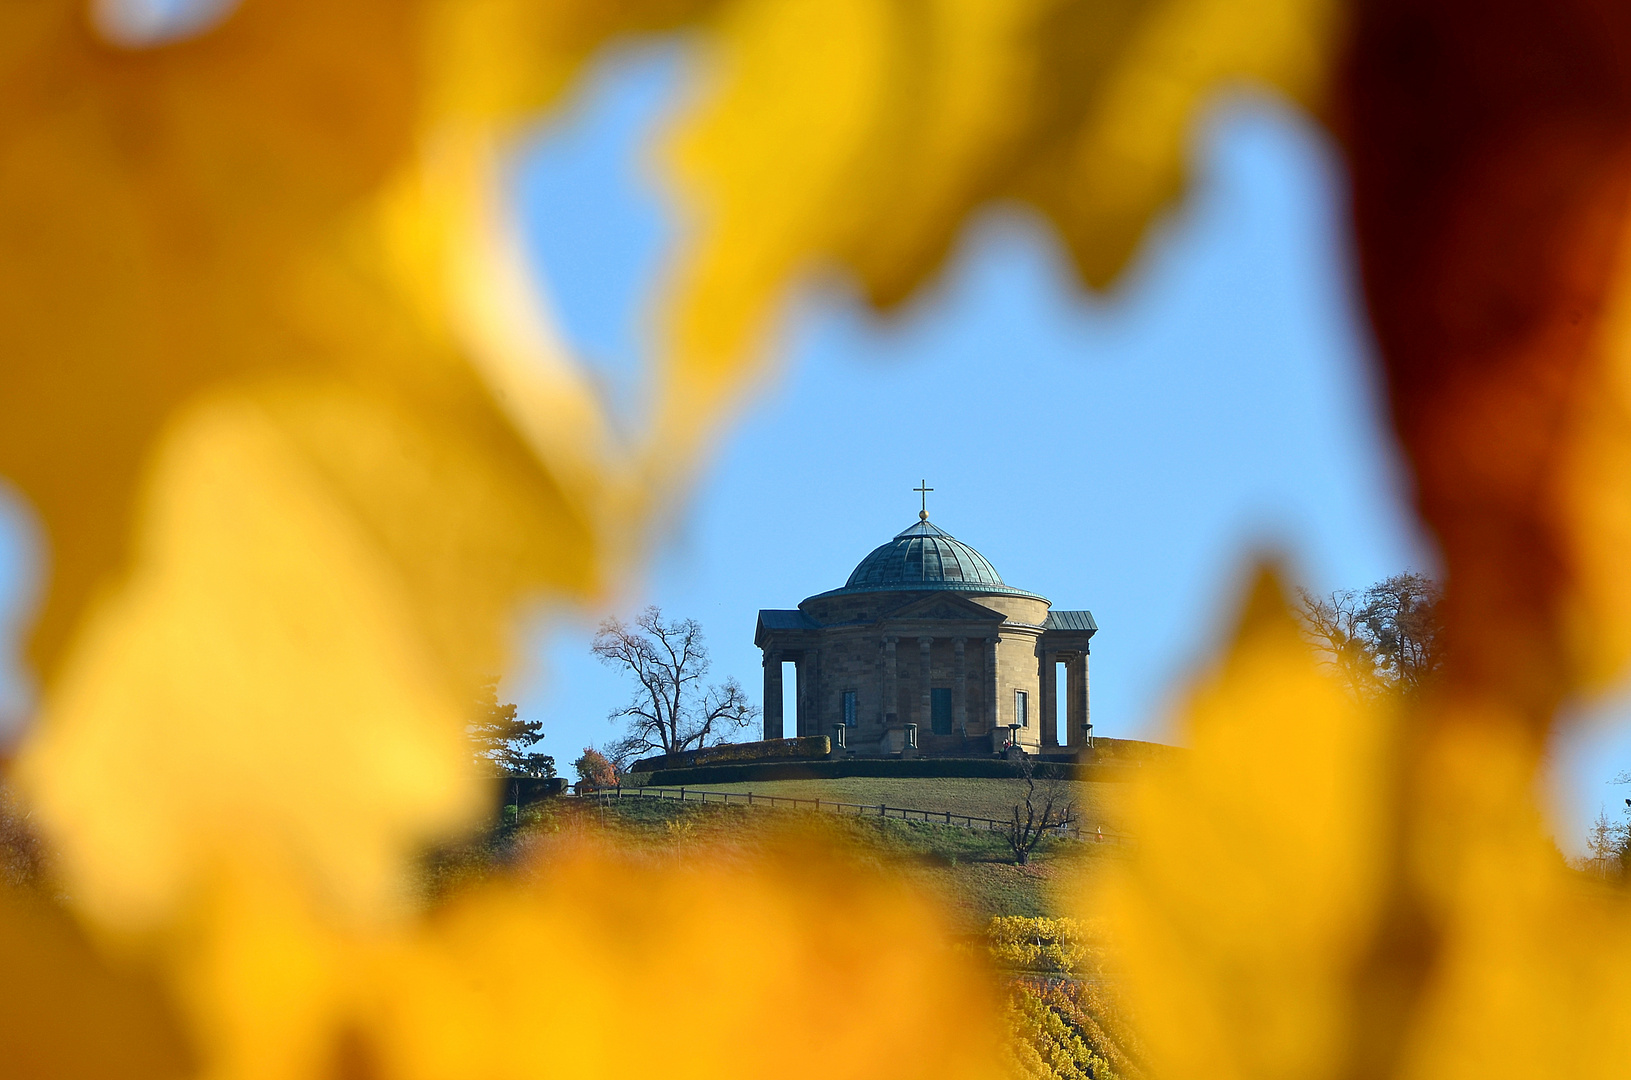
{"points": [[1608, 848], [671, 711], [1403, 616], [1608, 844], [1335, 625], [1387, 638], [1033, 821]]}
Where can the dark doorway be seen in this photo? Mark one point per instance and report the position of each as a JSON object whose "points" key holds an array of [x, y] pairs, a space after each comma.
{"points": [[940, 711]]}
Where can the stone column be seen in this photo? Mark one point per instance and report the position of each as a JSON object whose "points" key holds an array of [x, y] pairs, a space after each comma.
{"points": [[924, 644], [1048, 697], [876, 693], [891, 685], [801, 711], [1076, 715], [991, 711], [810, 693], [773, 695], [959, 689]]}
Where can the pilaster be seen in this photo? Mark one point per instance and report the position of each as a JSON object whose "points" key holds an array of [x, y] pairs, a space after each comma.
{"points": [[924, 647], [891, 683], [991, 713]]}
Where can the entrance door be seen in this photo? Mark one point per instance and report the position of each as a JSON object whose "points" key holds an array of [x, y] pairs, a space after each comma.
{"points": [[940, 711]]}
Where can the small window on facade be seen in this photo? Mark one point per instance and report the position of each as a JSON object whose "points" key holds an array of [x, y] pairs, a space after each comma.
{"points": [[849, 708], [1022, 715], [940, 710]]}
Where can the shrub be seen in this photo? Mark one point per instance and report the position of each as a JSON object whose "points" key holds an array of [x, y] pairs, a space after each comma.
{"points": [[595, 771]]}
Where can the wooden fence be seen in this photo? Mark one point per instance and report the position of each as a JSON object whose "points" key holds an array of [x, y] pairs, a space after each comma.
{"points": [[1076, 830]]}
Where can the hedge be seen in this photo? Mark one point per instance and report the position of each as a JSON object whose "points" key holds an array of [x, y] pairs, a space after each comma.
{"points": [[526, 790], [802, 748], [1128, 751]]}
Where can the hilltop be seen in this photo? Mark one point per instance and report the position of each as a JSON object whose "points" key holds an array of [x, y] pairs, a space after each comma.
{"points": [[972, 870]]}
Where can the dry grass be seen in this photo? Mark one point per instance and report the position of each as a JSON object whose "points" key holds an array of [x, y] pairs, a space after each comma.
{"points": [[1097, 803], [972, 871]]}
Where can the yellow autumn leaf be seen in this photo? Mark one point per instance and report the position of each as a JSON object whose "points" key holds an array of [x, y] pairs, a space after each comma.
{"points": [[301, 437], [864, 133], [347, 307], [1244, 915], [288, 515], [802, 966], [1524, 963], [1324, 887], [797, 964], [67, 1010]]}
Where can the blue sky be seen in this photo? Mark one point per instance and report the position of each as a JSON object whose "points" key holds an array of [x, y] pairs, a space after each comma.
{"points": [[1127, 453]]}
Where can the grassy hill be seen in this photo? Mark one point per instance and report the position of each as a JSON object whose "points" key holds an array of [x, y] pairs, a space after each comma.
{"points": [[1098, 804], [1059, 1004], [973, 871]]}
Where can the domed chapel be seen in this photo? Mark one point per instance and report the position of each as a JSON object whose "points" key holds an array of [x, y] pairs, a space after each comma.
{"points": [[926, 650]]}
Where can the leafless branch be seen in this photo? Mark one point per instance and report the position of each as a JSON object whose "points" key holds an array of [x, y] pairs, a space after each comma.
{"points": [[1031, 822], [1387, 638], [671, 711]]}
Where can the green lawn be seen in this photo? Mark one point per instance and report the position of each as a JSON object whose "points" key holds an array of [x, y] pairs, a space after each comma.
{"points": [[973, 871], [1098, 804]]}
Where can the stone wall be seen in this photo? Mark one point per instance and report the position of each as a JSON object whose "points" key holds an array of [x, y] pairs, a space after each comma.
{"points": [[855, 660], [1020, 609]]}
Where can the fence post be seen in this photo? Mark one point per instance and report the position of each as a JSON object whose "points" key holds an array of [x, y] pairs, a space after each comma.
{"points": [[750, 798]]}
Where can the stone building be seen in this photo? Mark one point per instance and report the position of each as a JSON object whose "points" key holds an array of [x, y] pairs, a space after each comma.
{"points": [[926, 650]]}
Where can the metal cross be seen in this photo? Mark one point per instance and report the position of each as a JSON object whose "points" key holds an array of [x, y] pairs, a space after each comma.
{"points": [[923, 514]]}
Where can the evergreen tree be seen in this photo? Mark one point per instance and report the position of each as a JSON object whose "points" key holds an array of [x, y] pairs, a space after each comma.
{"points": [[502, 739]]}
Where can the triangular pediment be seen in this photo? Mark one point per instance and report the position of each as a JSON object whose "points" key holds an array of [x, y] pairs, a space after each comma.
{"points": [[949, 607]]}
